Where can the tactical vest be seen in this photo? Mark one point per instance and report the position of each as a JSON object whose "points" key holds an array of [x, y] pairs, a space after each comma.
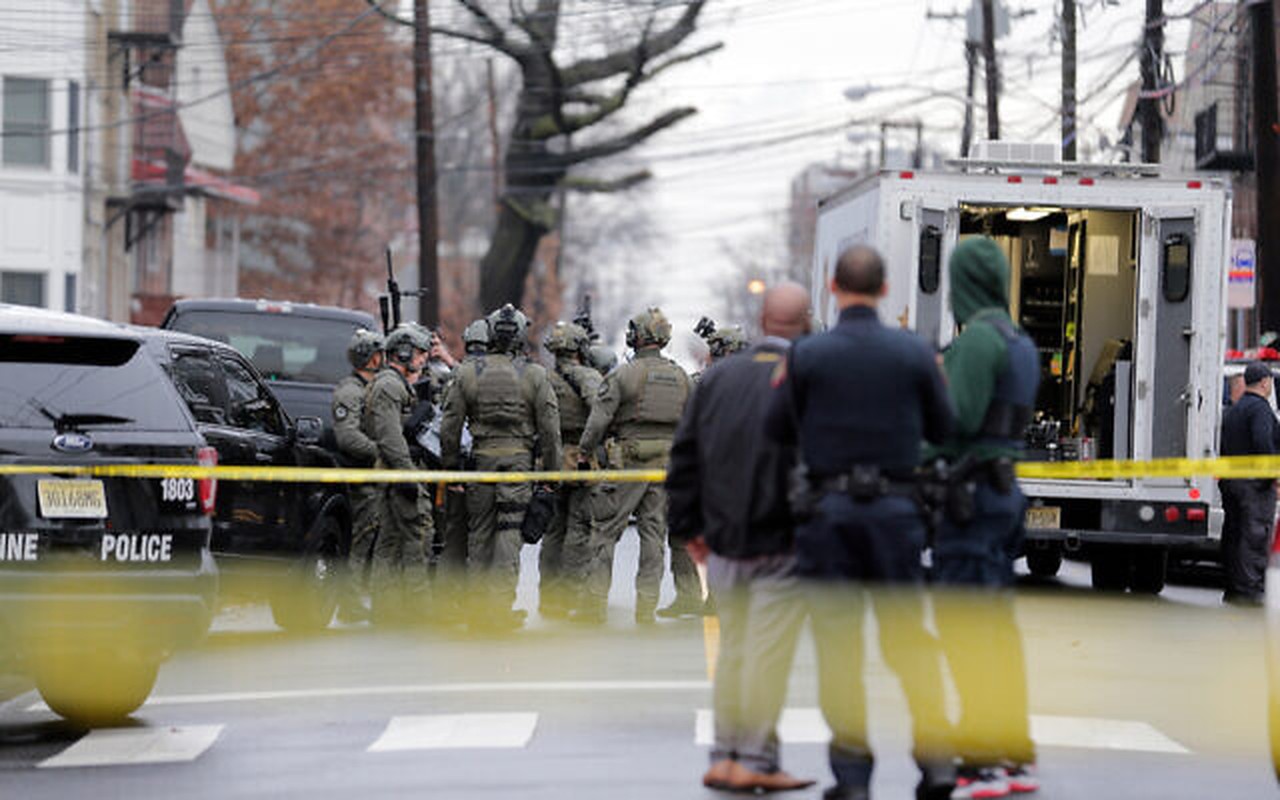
{"points": [[1013, 402], [661, 391], [574, 408], [498, 409]]}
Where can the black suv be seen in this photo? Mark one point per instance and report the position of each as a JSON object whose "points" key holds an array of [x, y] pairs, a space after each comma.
{"points": [[301, 349], [285, 540], [100, 578]]}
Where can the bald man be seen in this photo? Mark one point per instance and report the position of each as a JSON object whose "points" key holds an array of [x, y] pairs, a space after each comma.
{"points": [[726, 490]]}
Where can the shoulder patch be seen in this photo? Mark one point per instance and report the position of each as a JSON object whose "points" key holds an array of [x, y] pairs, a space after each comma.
{"points": [[340, 413]]}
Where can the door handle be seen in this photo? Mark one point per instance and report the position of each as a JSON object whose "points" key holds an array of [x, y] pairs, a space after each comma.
{"points": [[263, 458]]}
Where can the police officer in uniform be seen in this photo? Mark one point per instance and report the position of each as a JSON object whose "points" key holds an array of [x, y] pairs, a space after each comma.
{"points": [[993, 372], [399, 573], [355, 449], [566, 553], [1249, 428], [640, 403], [511, 409], [859, 401]]}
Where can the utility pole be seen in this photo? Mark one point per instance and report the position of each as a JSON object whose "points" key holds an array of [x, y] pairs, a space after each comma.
{"points": [[1267, 161], [425, 151], [1152, 55], [971, 59], [993, 73], [1069, 80]]}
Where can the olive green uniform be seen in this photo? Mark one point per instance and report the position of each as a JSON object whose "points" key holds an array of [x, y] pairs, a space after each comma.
{"points": [[511, 409], [399, 573], [640, 404], [357, 450], [566, 546]]}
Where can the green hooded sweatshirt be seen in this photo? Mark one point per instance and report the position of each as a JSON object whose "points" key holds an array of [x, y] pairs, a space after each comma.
{"points": [[976, 358]]}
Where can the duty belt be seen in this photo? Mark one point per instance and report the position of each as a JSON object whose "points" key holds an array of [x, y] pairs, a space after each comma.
{"points": [[867, 482]]}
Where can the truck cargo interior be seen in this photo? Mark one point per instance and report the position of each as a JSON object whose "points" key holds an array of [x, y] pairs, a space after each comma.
{"points": [[1073, 289]]}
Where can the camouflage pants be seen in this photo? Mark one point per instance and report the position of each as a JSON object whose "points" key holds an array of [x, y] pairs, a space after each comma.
{"points": [[495, 513], [399, 574]]}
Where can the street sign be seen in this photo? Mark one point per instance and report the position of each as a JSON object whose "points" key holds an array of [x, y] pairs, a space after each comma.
{"points": [[1241, 274]]}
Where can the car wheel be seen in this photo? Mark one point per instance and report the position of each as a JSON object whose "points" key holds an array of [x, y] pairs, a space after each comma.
{"points": [[305, 601], [1149, 569], [1044, 562], [97, 689], [1110, 569]]}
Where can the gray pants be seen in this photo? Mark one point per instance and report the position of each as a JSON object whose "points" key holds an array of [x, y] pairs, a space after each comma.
{"points": [[761, 611]]}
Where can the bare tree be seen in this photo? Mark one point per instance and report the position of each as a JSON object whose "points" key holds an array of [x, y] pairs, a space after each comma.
{"points": [[568, 96], [756, 262]]}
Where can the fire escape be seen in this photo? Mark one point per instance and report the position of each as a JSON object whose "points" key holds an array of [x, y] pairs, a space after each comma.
{"points": [[146, 55]]}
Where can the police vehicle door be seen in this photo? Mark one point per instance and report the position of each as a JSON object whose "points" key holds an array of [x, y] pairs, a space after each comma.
{"points": [[261, 432], [932, 243], [1168, 266]]}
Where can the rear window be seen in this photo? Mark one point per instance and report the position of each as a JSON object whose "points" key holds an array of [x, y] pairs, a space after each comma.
{"points": [[84, 383], [283, 347]]}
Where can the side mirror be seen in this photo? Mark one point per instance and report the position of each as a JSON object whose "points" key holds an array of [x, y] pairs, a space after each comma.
{"points": [[309, 430]]}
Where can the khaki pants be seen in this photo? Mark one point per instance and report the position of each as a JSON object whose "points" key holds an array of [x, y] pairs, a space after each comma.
{"points": [[399, 573]]}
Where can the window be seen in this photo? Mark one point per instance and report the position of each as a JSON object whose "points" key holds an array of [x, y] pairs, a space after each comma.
{"points": [[283, 347], [1175, 278], [73, 127], [930, 259], [22, 288], [201, 384], [69, 294], [250, 405], [26, 122]]}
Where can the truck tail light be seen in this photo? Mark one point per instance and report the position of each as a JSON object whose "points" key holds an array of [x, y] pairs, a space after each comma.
{"points": [[1172, 514], [208, 457], [1197, 514]]}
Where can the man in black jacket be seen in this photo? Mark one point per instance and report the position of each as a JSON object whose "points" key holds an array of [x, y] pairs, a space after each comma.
{"points": [[726, 490], [1248, 429]]}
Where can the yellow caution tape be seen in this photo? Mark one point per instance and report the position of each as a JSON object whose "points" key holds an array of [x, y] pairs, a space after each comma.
{"points": [[1232, 467]]}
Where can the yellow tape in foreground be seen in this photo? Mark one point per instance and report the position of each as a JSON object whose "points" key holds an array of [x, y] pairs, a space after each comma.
{"points": [[1232, 467]]}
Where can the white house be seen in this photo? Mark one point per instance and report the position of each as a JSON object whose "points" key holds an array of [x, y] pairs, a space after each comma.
{"points": [[42, 78]]}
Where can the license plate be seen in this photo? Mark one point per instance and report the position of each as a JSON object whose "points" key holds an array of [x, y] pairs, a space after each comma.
{"points": [[72, 499], [1044, 517]]}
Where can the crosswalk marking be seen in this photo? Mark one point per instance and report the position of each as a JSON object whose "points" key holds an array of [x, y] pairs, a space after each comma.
{"points": [[456, 731], [126, 746], [807, 726]]}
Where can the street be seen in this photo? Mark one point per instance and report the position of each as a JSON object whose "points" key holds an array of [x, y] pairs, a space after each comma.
{"points": [[1130, 698]]}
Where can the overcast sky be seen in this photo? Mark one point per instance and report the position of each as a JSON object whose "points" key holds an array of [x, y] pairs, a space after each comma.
{"points": [[781, 74]]}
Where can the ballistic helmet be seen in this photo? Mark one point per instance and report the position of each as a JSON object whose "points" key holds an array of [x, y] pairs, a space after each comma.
{"points": [[649, 327], [567, 338], [726, 341], [507, 327], [364, 343], [476, 336], [602, 358], [404, 340]]}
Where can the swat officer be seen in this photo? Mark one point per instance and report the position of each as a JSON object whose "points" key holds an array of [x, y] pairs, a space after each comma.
{"points": [[993, 372], [566, 553], [355, 449], [399, 573], [511, 409], [859, 401], [1249, 428], [640, 403]]}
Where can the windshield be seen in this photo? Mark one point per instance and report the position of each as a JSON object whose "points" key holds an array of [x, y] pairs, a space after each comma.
{"points": [[283, 347], [84, 383]]}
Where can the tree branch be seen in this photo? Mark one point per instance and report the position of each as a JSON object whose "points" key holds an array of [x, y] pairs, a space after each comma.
{"points": [[676, 61], [385, 14], [494, 31], [603, 186], [595, 69], [625, 142]]}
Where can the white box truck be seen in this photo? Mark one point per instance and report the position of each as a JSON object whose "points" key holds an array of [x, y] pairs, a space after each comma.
{"points": [[1120, 277]]}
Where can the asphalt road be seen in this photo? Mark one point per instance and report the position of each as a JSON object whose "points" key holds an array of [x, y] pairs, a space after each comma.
{"points": [[1131, 698]]}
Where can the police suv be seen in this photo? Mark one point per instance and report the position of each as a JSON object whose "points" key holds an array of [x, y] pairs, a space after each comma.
{"points": [[101, 578]]}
